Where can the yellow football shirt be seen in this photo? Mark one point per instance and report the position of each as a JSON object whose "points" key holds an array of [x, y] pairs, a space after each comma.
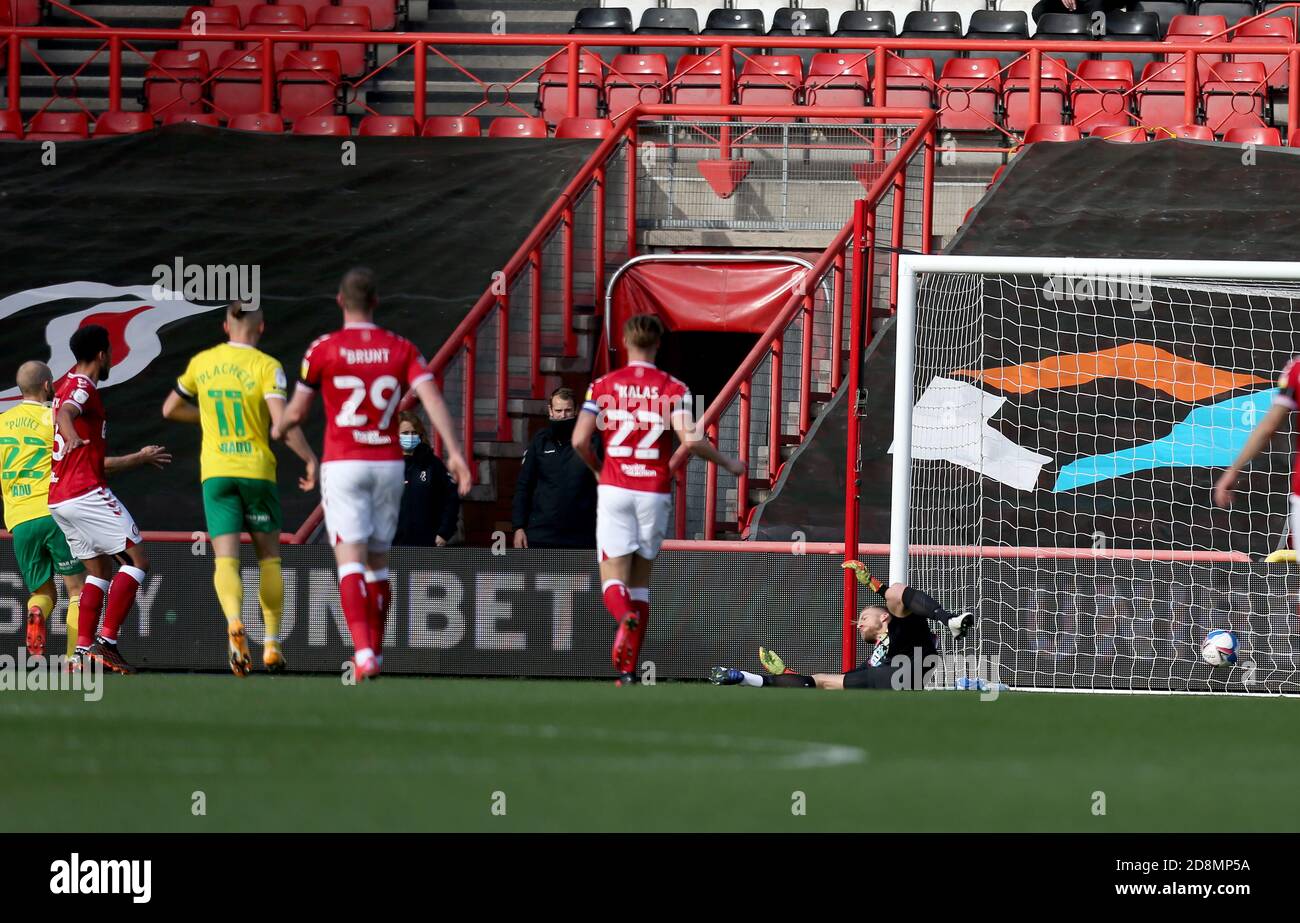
{"points": [[231, 384], [26, 438]]}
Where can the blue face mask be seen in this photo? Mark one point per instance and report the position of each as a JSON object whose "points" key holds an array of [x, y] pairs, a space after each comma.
{"points": [[409, 441]]}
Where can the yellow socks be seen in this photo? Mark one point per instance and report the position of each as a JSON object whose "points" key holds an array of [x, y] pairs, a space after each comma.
{"points": [[230, 591], [74, 612], [270, 593]]}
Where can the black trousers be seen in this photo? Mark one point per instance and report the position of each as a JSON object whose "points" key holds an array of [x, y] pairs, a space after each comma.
{"points": [[1085, 7]]}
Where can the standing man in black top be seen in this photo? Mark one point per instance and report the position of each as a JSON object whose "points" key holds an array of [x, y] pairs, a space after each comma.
{"points": [[430, 504], [555, 496]]}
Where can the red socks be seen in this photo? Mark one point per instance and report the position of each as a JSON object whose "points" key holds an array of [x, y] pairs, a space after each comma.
{"points": [[617, 599], [121, 594], [640, 605], [356, 604], [380, 593], [92, 600]]}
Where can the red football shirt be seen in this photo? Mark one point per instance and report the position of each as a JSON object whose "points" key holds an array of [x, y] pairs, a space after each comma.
{"points": [[81, 470], [362, 373], [634, 407], [1288, 395]]}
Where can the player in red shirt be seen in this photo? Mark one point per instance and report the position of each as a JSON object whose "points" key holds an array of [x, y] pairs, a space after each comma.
{"points": [[636, 408], [362, 372], [1287, 400], [96, 524]]}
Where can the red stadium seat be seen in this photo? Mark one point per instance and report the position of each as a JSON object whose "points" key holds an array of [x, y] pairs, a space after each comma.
{"points": [[968, 94], [451, 126], [334, 20], [308, 84], [1161, 94], [59, 126], [209, 16], [1133, 135], [1234, 95], [1187, 132], [1100, 93], [836, 79], [207, 119], [1197, 28], [335, 125], [553, 87], [909, 82], [584, 128], [268, 122], [1261, 32], [383, 13], [245, 7], [211, 20], [313, 8], [287, 18], [26, 12], [175, 82], [697, 80], [11, 125], [771, 80], [509, 126], [122, 123], [632, 79], [1038, 132], [387, 126], [1054, 83], [237, 84], [1258, 134]]}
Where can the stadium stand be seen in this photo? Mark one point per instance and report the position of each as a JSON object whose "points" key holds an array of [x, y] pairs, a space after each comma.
{"points": [[122, 123], [451, 126], [337, 125], [266, 122]]}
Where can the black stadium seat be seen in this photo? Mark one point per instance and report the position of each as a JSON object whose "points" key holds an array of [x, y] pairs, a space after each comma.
{"points": [[734, 22], [1131, 27], [667, 22], [920, 24], [1166, 10], [1233, 11], [867, 24], [995, 24], [593, 20], [804, 23], [1066, 27]]}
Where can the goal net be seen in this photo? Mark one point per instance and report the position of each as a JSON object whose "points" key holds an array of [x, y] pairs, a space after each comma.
{"points": [[1059, 428]]}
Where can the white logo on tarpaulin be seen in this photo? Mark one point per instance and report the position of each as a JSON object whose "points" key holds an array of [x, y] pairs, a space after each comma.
{"points": [[130, 311], [103, 876]]}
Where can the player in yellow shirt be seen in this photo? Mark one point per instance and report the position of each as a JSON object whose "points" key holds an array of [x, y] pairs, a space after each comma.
{"points": [[26, 441], [236, 392]]}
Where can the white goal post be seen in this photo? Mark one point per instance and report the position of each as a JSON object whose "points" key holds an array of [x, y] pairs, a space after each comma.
{"points": [[1058, 427]]}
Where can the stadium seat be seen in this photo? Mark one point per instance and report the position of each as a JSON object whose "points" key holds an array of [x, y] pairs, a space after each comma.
{"points": [[211, 20], [812, 23], [1234, 95], [770, 80], [1165, 11], [1036, 133], [245, 7], [1195, 29], [383, 13], [1187, 132], [931, 26], [909, 82], [26, 12], [963, 8], [594, 20], [1053, 91], [211, 16], [667, 22], [175, 81], [11, 125], [553, 87], [237, 83], [58, 126], [1066, 27], [1259, 134], [1133, 135], [513, 127], [288, 18], [308, 84], [1131, 27], [633, 79], [769, 8], [122, 123], [1161, 94], [387, 126], [335, 125], [267, 122], [584, 128], [311, 8], [206, 119], [1266, 31], [836, 79], [698, 80], [968, 94], [334, 20], [1233, 11], [836, 10], [1021, 6], [867, 24], [899, 9], [1100, 95], [735, 23], [1282, 9], [1003, 26], [451, 126]]}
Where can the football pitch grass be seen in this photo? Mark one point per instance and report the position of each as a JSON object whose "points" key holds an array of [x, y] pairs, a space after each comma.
{"points": [[417, 754]]}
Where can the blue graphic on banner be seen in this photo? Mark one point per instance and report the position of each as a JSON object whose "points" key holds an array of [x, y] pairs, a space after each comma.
{"points": [[1210, 436]]}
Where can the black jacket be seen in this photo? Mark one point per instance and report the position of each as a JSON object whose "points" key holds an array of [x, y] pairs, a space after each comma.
{"points": [[430, 505], [555, 496]]}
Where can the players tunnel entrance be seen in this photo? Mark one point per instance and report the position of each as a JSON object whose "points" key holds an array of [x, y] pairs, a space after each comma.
{"points": [[714, 306]]}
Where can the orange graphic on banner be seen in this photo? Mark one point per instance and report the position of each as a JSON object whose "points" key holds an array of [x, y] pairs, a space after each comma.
{"points": [[1184, 379]]}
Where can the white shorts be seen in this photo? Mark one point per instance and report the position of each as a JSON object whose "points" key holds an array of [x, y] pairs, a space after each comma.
{"points": [[630, 521], [95, 523], [362, 500]]}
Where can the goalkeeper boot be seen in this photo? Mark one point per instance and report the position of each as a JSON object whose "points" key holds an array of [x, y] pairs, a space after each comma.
{"points": [[623, 654], [959, 625], [772, 662], [273, 657], [241, 661], [35, 632], [726, 676], [106, 652]]}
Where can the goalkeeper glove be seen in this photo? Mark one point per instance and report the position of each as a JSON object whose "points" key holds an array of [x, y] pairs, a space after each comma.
{"points": [[862, 574], [771, 661]]}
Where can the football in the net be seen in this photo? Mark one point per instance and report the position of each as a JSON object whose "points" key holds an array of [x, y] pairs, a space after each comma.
{"points": [[1220, 648]]}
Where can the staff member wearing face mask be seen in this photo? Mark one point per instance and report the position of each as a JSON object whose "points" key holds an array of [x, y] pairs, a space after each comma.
{"points": [[430, 505], [555, 497]]}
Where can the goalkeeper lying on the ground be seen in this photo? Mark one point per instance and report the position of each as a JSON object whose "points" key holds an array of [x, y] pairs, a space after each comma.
{"points": [[893, 628]]}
